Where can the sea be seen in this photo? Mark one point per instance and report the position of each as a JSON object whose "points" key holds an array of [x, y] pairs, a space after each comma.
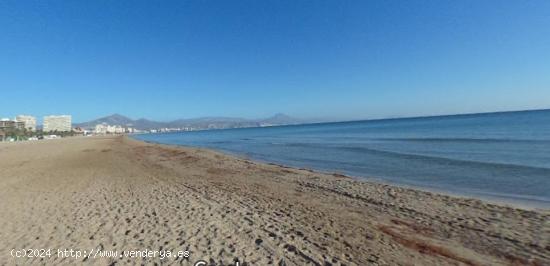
{"points": [[503, 157]]}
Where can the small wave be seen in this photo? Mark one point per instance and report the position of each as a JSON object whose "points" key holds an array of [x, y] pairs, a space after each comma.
{"points": [[466, 140], [220, 142], [436, 160], [445, 161], [303, 145]]}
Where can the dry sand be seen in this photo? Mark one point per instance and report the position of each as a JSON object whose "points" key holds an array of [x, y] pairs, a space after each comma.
{"points": [[116, 194]]}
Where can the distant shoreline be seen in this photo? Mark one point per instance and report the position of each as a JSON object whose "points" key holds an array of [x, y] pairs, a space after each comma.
{"points": [[330, 121]]}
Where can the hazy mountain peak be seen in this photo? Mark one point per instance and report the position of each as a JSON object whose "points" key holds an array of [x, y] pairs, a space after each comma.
{"points": [[114, 119], [116, 115], [280, 119], [194, 123]]}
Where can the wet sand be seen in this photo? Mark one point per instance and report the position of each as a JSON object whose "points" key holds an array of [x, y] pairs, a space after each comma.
{"points": [[118, 194]]}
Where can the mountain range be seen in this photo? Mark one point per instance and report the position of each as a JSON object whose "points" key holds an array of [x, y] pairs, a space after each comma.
{"points": [[194, 123]]}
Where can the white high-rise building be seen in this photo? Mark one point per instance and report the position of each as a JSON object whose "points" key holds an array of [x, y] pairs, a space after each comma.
{"points": [[57, 123], [29, 121], [101, 129], [109, 129]]}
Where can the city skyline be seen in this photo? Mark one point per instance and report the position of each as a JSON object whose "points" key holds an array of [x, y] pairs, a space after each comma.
{"points": [[303, 121], [329, 60]]}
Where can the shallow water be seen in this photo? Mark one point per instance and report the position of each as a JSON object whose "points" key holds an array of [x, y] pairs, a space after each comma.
{"points": [[502, 156]]}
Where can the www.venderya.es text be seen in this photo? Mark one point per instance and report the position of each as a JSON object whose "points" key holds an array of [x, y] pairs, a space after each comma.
{"points": [[98, 253]]}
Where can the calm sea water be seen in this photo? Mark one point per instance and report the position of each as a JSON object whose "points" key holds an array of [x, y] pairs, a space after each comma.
{"points": [[503, 156]]}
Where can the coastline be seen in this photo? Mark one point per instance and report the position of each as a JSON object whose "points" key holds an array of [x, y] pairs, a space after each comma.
{"points": [[503, 201], [260, 213], [512, 201]]}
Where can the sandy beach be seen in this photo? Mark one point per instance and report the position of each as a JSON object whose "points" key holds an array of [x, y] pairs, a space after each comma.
{"points": [[118, 194]]}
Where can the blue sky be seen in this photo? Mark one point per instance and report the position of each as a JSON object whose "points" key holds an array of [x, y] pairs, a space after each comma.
{"points": [[334, 59]]}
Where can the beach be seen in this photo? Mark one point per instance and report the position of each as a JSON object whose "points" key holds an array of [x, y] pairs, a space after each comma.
{"points": [[119, 194]]}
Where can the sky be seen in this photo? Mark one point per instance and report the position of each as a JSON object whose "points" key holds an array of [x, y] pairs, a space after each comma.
{"points": [[340, 60]]}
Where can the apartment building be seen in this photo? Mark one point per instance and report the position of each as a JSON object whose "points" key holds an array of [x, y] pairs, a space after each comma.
{"points": [[110, 129], [7, 124], [58, 123], [28, 121]]}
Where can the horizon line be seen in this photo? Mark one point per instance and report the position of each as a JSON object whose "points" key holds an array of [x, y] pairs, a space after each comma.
{"points": [[338, 121], [327, 120]]}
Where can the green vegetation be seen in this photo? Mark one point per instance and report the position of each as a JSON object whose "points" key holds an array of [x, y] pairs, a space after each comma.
{"points": [[24, 134], [17, 134], [58, 133]]}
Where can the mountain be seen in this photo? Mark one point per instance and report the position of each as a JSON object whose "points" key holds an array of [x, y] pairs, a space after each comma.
{"points": [[145, 124], [280, 119], [194, 123], [114, 119], [213, 122]]}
